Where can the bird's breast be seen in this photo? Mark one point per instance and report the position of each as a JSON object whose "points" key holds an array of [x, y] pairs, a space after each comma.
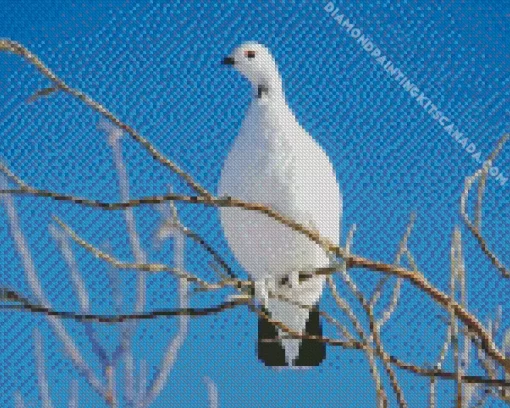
{"points": [[272, 163]]}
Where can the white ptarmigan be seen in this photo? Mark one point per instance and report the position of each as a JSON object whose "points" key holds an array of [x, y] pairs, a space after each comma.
{"points": [[274, 161]]}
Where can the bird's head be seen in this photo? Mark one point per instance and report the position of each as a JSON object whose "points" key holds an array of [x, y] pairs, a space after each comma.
{"points": [[255, 62]]}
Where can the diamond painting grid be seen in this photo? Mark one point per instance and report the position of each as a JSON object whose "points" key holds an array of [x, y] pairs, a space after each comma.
{"points": [[157, 67]]}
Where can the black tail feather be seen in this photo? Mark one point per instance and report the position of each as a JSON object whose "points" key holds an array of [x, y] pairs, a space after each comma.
{"points": [[312, 352], [271, 352]]}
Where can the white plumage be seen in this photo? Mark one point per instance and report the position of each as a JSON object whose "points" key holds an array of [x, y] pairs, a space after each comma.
{"points": [[274, 161]]}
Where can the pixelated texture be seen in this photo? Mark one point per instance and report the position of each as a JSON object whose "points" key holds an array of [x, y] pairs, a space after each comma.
{"points": [[157, 67]]}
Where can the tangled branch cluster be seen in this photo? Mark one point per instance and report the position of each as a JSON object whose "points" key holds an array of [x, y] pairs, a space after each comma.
{"points": [[461, 323]]}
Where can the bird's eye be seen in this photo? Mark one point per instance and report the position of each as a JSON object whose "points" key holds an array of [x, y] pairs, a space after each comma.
{"points": [[249, 54]]}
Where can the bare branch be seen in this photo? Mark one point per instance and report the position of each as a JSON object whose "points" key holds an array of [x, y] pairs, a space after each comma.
{"points": [[73, 394], [414, 277], [357, 345], [41, 93], [115, 135], [42, 379], [13, 296], [26, 305], [7, 45], [141, 383], [18, 400], [212, 392], [373, 342], [401, 251], [392, 305], [111, 398], [36, 287], [379, 349], [434, 372], [341, 328], [345, 307], [114, 139], [175, 345], [81, 292], [171, 223], [475, 227], [506, 343], [458, 310], [147, 267], [343, 269], [10, 175], [381, 397]]}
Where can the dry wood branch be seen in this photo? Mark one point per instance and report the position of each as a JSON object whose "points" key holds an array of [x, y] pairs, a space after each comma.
{"points": [[34, 282], [81, 292], [357, 345], [42, 378], [25, 304], [42, 92], [376, 337], [434, 372], [7, 45], [414, 277], [170, 355], [173, 223], [147, 267], [392, 305], [381, 396], [212, 392], [344, 306], [73, 394], [475, 227], [114, 140], [18, 400], [342, 303], [403, 249], [341, 328], [373, 342], [456, 280], [491, 369]]}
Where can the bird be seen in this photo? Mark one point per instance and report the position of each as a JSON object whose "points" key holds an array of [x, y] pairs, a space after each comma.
{"points": [[274, 161]]}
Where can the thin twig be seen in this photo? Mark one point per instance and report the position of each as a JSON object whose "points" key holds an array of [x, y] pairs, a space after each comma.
{"points": [[42, 92], [18, 400], [127, 331], [110, 386], [381, 396], [73, 394], [147, 267], [81, 292], [36, 287], [171, 223], [170, 355], [475, 227], [42, 379], [376, 337], [392, 305], [401, 251], [141, 383], [212, 393], [81, 317], [140, 256], [341, 328]]}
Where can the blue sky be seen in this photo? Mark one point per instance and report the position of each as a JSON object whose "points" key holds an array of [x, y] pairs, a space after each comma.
{"points": [[156, 66]]}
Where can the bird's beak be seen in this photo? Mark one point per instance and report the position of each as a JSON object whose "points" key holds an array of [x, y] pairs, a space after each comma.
{"points": [[228, 61]]}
